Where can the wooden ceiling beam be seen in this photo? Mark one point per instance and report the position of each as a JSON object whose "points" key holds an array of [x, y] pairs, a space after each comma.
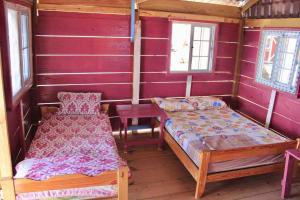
{"points": [[180, 6], [101, 3], [185, 16], [84, 9], [277, 22], [248, 5]]}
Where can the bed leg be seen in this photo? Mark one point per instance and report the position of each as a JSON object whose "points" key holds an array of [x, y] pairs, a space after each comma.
{"points": [[8, 188], [123, 183], [202, 174]]}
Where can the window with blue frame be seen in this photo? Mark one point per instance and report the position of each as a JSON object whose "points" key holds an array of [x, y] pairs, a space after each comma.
{"points": [[279, 60]]}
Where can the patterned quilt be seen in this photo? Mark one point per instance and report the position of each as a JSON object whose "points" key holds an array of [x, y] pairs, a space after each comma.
{"points": [[71, 144], [219, 129]]}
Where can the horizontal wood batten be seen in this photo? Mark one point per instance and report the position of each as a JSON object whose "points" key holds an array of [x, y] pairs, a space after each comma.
{"points": [[82, 84], [100, 55], [245, 99], [104, 36], [76, 55], [224, 57], [80, 73], [83, 36], [228, 42], [249, 61]]}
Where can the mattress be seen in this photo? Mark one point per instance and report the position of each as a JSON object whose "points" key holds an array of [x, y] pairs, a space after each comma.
{"points": [[220, 129], [71, 144]]}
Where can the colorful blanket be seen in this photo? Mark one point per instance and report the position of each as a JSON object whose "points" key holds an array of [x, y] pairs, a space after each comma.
{"points": [[218, 129]]}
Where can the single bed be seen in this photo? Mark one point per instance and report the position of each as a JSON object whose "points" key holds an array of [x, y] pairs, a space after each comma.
{"points": [[72, 156], [220, 144]]}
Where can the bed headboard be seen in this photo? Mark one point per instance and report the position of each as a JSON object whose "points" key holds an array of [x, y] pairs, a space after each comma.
{"points": [[52, 109]]}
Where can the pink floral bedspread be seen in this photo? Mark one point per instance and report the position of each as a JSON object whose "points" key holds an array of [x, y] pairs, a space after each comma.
{"points": [[72, 144]]}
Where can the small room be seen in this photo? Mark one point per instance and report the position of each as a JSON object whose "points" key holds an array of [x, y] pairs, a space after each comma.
{"points": [[149, 99]]}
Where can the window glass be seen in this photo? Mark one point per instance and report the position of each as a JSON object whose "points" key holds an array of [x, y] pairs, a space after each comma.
{"points": [[192, 46], [278, 64], [14, 50], [180, 51], [25, 47]]}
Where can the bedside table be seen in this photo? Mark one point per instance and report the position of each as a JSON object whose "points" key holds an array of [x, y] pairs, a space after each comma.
{"points": [[126, 112]]}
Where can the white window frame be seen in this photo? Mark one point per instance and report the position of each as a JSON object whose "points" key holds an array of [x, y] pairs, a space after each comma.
{"points": [[211, 48], [276, 65], [26, 82]]}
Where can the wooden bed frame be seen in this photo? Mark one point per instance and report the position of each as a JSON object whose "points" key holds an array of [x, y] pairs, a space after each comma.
{"points": [[119, 177], [201, 175]]}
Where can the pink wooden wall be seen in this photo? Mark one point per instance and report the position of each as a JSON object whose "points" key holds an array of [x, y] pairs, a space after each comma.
{"points": [[254, 97], [103, 59]]}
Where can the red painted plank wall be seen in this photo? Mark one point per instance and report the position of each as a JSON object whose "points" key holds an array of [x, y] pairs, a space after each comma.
{"points": [[92, 52], [254, 97]]}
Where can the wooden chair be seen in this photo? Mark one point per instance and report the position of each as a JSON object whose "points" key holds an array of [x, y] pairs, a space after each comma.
{"points": [[290, 157]]}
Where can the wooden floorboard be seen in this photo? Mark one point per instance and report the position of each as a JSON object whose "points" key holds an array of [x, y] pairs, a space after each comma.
{"points": [[159, 175]]}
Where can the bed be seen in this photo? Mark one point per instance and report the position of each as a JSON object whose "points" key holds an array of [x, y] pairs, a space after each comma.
{"points": [[72, 156], [215, 143]]}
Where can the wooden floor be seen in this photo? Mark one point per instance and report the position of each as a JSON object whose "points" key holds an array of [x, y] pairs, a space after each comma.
{"points": [[160, 175]]}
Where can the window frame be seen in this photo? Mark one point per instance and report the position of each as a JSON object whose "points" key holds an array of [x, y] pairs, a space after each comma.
{"points": [[260, 61], [14, 99], [212, 52]]}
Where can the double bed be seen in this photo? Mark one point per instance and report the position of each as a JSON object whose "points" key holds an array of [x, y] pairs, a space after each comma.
{"points": [[72, 156], [216, 143]]}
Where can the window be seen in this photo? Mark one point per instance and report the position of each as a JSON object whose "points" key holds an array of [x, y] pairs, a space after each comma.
{"points": [[192, 47], [19, 48], [279, 59]]}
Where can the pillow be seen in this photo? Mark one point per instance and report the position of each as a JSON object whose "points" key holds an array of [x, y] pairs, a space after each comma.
{"points": [[206, 103], [172, 105], [79, 103]]}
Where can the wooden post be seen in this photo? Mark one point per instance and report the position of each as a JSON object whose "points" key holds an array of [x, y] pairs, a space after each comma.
{"points": [[188, 86], [202, 174], [136, 66], [123, 183], [7, 182], [270, 109], [238, 61]]}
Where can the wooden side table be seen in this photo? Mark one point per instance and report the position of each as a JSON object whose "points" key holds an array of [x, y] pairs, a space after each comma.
{"points": [[126, 112], [290, 157]]}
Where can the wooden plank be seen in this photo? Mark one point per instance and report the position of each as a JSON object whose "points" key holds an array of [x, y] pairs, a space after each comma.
{"points": [[248, 5], [244, 172], [270, 109], [6, 173], [65, 182], [185, 160], [83, 9], [250, 152], [187, 16], [278, 22], [237, 68]]}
